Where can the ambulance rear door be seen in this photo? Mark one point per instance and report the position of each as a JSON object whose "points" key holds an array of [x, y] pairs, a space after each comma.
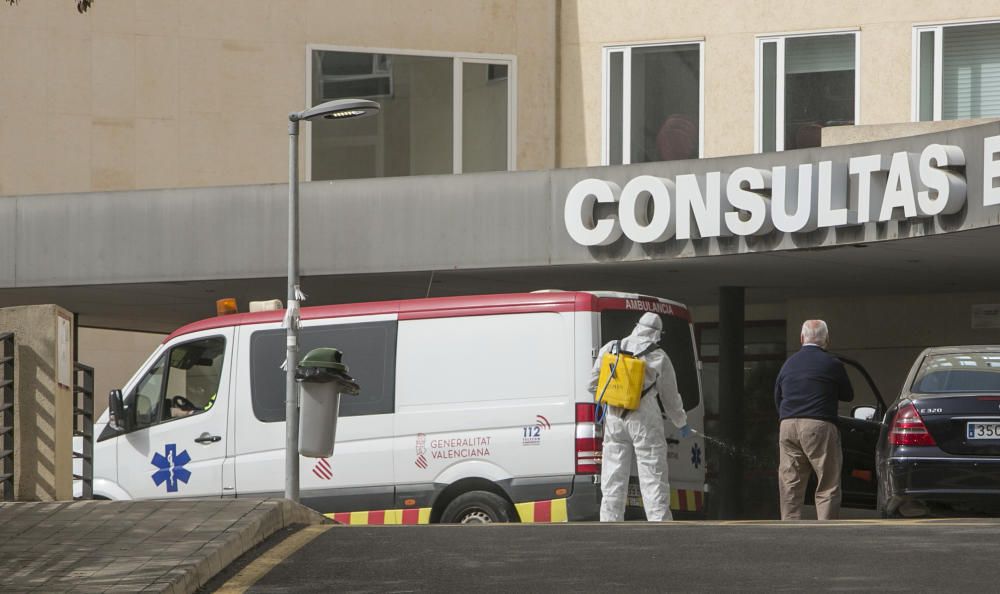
{"points": [[686, 457]]}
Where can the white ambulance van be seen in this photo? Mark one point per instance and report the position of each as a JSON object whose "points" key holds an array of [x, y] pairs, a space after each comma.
{"points": [[472, 409]]}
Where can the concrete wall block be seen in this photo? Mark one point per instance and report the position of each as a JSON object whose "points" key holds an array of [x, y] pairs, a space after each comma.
{"points": [[43, 409]]}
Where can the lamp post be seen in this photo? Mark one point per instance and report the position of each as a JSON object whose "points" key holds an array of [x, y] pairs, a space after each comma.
{"points": [[339, 109]]}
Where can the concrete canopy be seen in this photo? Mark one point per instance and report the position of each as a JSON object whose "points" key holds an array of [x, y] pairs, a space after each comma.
{"points": [[153, 260]]}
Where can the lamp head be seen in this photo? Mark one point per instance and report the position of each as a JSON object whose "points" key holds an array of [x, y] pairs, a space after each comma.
{"points": [[338, 109]]}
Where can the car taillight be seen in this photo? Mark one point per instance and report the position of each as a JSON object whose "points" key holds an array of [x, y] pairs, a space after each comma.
{"points": [[588, 440], [908, 429]]}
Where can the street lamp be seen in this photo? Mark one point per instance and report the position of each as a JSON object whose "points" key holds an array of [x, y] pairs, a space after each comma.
{"points": [[338, 109]]}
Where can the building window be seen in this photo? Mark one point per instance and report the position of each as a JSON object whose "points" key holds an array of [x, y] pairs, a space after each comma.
{"points": [[804, 84], [440, 114], [956, 72], [652, 103]]}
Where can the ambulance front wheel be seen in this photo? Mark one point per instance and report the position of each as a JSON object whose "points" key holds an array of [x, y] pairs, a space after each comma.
{"points": [[478, 507]]}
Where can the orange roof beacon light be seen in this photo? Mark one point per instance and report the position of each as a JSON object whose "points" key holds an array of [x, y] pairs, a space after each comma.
{"points": [[224, 307]]}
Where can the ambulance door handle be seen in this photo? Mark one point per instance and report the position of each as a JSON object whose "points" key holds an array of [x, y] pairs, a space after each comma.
{"points": [[206, 438]]}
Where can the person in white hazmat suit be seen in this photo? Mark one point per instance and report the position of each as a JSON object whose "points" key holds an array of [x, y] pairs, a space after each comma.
{"points": [[641, 431]]}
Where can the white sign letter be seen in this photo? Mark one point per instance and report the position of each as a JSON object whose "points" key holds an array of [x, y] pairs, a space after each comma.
{"points": [[864, 167], [633, 210], [991, 171], [579, 213], [804, 219], [898, 189], [832, 196], [947, 195], [743, 191], [707, 209]]}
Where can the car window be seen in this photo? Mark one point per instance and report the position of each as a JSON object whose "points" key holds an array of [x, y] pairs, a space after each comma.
{"points": [[183, 382], [146, 397], [958, 372], [863, 395]]}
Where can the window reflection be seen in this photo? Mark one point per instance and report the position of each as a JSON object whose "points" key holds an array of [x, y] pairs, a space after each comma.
{"points": [[819, 87], [415, 131], [656, 117]]}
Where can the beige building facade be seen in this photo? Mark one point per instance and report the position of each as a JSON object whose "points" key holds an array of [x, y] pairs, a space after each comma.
{"points": [[729, 31], [137, 94]]}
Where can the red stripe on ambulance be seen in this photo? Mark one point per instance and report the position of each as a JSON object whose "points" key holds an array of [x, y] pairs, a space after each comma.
{"points": [[411, 516], [659, 306], [543, 511], [322, 469]]}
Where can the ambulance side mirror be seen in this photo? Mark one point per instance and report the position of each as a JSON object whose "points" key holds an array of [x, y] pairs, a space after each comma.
{"points": [[117, 418]]}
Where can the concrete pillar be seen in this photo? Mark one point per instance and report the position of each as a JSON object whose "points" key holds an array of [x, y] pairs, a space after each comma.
{"points": [[43, 401], [731, 415]]}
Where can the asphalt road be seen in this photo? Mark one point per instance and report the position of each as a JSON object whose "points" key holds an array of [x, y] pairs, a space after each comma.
{"points": [[859, 555]]}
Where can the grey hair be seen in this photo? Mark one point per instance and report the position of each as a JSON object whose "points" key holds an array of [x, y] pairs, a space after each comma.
{"points": [[815, 332]]}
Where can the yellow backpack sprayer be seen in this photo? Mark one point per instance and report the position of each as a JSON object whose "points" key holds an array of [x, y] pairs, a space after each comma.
{"points": [[622, 375]]}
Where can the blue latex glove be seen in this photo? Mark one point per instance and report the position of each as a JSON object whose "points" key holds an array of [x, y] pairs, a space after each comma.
{"points": [[685, 431]]}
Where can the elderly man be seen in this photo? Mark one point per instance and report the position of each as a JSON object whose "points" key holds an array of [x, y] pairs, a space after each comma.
{"points": [[806, 393]]}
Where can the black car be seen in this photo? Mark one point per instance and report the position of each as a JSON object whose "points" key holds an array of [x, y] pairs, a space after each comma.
{"points": [[939, 444]]}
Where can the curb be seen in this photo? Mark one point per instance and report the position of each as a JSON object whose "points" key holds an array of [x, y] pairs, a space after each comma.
{"points": [[268, 517], [173, 546]]}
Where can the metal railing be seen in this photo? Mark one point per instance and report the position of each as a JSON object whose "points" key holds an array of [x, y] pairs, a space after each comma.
{"points": [[83, 426], [7, 415]]}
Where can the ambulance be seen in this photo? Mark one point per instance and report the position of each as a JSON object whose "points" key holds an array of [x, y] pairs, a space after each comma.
{"points": [[471, 409]]}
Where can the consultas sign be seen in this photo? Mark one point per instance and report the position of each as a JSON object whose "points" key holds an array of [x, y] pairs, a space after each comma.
{"points": [[753, 201]]}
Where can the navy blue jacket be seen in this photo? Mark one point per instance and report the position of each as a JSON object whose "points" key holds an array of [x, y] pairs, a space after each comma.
{"points": [[810, 384]]}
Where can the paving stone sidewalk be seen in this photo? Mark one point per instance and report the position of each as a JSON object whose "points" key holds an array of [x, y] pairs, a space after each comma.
{"points": [[133, 546]]}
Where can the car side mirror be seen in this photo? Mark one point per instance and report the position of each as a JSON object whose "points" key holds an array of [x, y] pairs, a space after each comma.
{"points": [[117, 418], [863, 413]]}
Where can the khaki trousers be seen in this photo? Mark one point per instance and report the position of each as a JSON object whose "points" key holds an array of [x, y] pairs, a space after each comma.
{"points": [[806, 445]]}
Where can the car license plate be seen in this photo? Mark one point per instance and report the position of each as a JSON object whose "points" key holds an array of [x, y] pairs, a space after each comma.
{"points": [[983, 430], [634, 495]]}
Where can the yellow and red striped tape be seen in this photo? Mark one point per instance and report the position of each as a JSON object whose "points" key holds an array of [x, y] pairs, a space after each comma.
{"points": [[380, 517], [686, 500], [530, 512]]}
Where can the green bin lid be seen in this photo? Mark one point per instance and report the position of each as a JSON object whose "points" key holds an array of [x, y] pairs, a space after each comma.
{"points": [[325, 358]]}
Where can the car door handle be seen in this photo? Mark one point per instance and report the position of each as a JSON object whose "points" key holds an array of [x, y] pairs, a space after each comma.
{"points": [[206, 438]]}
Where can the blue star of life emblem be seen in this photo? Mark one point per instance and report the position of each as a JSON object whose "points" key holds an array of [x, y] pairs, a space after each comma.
{"points": [[695, 455], [171, 467]]}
